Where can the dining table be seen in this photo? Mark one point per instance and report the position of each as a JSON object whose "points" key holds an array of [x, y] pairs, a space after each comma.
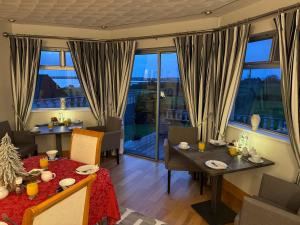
{"points": [[58, 131], [103, 201], [214, 211]]}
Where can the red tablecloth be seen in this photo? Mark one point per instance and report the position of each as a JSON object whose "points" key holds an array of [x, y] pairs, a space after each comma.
{"points": [[103, 202]]}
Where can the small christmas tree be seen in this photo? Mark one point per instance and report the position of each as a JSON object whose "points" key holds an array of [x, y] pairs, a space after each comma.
{"points": [[11, 165]]}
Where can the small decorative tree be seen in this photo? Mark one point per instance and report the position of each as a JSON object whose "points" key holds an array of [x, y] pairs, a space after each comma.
{"points": [[11, 165]]}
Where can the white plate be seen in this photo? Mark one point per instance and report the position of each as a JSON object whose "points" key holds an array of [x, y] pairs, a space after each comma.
{"points": [[251, 160], [217, 142], [66, 182], [184, 148], [215, 164], [87, 169], [3, 223]]}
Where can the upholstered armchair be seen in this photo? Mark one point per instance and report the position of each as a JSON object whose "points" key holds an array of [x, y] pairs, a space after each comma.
{"points": [[277, 203], [112, 135], [175, 161], [23, 140]]}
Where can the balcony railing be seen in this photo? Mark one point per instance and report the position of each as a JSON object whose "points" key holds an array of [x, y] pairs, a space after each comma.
{"points": [[71, 102], [267, 122]]}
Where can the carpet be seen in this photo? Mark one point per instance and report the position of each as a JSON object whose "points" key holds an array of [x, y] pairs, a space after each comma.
{"points": [[131, 217]]}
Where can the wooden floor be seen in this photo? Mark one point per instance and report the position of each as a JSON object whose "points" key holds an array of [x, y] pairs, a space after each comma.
{"points": [[141, 185]]}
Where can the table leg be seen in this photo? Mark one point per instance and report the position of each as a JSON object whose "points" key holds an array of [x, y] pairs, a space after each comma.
{"points": [[215, 212], [58, 144], [216, 192]]}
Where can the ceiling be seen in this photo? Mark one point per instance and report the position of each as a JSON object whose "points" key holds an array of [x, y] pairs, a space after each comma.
{"points": [[110, 14]]}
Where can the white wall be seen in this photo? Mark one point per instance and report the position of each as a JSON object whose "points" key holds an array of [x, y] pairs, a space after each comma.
{"points": [[276, 150], [6, 101]]}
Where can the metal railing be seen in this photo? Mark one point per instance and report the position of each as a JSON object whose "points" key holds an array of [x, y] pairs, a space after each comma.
{"points": [[266, 122], [71, 102]]}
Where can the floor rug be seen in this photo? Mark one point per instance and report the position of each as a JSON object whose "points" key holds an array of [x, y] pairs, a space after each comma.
{"points": [[131, 217]]}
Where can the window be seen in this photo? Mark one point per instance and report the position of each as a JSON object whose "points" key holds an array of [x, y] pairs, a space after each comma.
{"points": [[259, 91], [57, 79]]}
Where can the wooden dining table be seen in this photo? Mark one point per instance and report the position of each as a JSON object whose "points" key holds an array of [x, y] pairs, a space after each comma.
{"points": [[103, 201], [214, 211]]}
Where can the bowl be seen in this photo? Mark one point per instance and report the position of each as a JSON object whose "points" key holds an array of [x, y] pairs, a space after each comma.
{"points": [[51, 154]]}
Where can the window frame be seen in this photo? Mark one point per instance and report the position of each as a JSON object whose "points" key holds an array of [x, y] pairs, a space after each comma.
{"points": [[261, 65], [62, 66], [62, 60]]}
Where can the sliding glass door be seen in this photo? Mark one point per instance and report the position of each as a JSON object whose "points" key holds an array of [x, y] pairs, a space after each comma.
{"points": [[155, 101]]}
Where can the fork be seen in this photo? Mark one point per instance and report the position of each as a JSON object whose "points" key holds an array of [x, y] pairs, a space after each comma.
{"points": [[7, 219]]}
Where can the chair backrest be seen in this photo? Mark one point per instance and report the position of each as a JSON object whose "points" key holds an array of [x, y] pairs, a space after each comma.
{"points": [[280, 192], [69, 207], [5, 128], [86, 146], [113, 123], [178, 134]]}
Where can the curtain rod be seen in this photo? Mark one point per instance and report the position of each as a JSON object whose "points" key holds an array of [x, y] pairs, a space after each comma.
{"points": [[244, 21]]}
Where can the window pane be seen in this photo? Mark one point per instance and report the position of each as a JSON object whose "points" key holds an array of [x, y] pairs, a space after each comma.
{"points": [[50, 58], [69, 61], [54, 84], [259, 93], [172, 110], [258, 51], [139, 119]]}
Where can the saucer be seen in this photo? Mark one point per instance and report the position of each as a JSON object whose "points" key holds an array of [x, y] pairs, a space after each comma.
{"points": [[184, 148], [251, 160], [53, 159], [87, 169]]}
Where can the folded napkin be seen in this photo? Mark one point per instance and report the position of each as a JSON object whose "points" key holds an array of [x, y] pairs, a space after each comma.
{"points": [[217, 142]]}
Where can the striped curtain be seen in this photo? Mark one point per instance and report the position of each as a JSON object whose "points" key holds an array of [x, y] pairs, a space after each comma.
{"points": [[104, 71], [210, 69], [24, 64], [288, 27], [194, 59], [229, 48]]}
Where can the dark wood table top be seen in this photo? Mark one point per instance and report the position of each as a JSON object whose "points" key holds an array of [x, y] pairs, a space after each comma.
{"points": [[236, 163], [44, 130]]}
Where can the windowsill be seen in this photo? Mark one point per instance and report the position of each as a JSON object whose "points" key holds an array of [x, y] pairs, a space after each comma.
{"points": [[84, 109], [266, 133]]}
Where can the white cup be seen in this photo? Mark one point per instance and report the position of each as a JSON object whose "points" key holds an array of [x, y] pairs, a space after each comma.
{"points": [[47, 176], [51, 154], [256, 158], [183, 144]]}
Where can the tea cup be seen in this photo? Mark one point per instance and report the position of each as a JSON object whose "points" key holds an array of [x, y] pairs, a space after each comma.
{"points": [[51, 154], [256, 158], [47, 176], [183, 144]]}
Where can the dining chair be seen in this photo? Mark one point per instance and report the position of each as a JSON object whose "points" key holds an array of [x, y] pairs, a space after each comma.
{"points": [[69, 207], [23, 140], [175, 161], [86, 146], [277, 203], [112, 135]]}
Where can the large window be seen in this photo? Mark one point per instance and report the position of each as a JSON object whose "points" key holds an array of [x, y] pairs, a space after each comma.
{"points": [[57, 79], [259, 91]]}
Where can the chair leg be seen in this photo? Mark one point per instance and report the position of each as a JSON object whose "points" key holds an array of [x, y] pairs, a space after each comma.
{"points": [[169, 181], [118, 156], [201, 183]]}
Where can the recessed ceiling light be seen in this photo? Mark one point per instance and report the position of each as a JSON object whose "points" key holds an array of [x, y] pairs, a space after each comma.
{"points": [[103, 27], [11, 20], [207, 12]]}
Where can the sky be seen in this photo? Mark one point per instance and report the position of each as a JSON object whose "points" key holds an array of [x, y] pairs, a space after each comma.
{"points": [[146, 65]]}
